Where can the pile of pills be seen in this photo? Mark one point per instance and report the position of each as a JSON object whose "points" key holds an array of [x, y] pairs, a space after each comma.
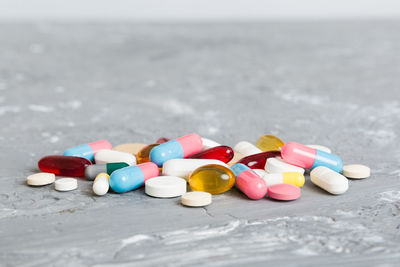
{"points": [[270, 168]]}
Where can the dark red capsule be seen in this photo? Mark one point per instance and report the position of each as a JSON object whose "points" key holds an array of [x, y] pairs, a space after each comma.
{"points": [[64, 165], [162, 140], [222, 153], [258, 161]]}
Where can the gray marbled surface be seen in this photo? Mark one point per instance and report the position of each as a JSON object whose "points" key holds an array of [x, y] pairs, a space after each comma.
{"points": [[334, 83]]}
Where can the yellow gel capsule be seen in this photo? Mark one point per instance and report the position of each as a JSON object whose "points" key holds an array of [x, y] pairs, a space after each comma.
{"points": [[214, 179], [144, 154], [293, 178], [133, 148], [269, 143]]}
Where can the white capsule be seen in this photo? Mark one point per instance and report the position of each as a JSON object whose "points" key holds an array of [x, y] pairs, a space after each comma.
{"points": [[260, 172], [329, 180], [101, 184], [277, 165], [184, 167], [322, 148], [246, 149], [208, 143], [111, 156]]}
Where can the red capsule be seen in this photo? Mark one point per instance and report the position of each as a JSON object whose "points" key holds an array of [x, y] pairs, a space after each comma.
{"points": [[64, 165], [222, 153], [258, 161], [162, 140]]}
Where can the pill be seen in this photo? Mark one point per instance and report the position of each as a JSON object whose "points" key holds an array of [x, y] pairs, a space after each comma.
{"points": [[260, 172], [196, 199], [293, 178], [214, 179], [208, 143], [246, 149], [132, 177], [322, 148], [258, 161], [284, 192], [329, 180], [144, 153], [41, 178], [66, 184], [87, 151], [309, 158], [277, 165], [110, 156], [236, 157], [92, 171], [165, 186], [356, 171], [101, 184], [269, 143], [222, 153], [250, 183], [183, 167], [162, 140], [133, 148], [182, 147], [64, 165]]}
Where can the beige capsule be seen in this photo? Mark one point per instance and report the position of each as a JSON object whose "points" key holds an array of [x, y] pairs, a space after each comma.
{"points": [[132, 148]]}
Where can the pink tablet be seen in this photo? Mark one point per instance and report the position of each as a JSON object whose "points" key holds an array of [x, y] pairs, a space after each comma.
{"points": [[284, 192]]}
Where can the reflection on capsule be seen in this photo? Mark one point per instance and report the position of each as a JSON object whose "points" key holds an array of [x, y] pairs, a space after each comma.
{"points": [[214, 179]]}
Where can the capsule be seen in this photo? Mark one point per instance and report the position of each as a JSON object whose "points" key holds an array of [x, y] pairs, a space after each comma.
{"points": [[64, 165], [92, 171], [184, 167], [132, 148], [269, 143], [144, 154], [182, 147], [222, 153], [246, 149], [309, 158], [258, 161], [132, 177], [293, 178], [329, 180], [87, 151], [110, 156], [101, 185], [214, 179], [250, 183], [208, 143]]}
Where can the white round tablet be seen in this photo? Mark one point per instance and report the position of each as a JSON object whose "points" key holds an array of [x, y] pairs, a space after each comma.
{"points": [[356, 171], [165, 186], [66, 184], [41, 178], [196, 199]]}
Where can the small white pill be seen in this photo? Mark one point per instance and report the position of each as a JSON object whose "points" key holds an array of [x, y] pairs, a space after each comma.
{"points": [[277, 165], [184, 167], [208, 143], [329, 180], [165, 186], [41, 178], [322, 148], [246, 149], [356, 171], [101, 184], [196, 199], [66, 184], [111, 156]]}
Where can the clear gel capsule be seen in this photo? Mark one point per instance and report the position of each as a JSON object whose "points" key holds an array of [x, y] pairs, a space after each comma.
{"points": [[269, 143], [222, 153], [64, 165], [214, 179], [258, 161]]}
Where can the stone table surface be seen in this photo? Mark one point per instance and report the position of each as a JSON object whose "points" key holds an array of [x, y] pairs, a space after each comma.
{"points": [[329, 83]]}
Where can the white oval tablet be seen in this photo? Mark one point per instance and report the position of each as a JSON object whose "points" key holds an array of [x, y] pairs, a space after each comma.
{"points": [[196, 199], [101, 184], [165, 186], [208, 143], [184, 167], [66, 184], [356, 171], [329, 180], [277, 165], [322, 148], [111, 156], [246, 149], [41, 178]]}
